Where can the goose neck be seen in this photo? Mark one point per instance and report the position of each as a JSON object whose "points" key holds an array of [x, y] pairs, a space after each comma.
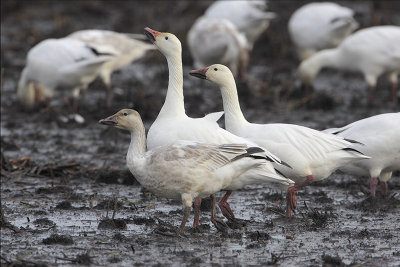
{"points": [[233, 113], [174, 102], [327, 58], [137, 147]]}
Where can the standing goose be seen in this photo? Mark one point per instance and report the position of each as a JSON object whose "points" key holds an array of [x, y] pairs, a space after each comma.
{"points": [[125, 48], [249, 17], [312, 155], [58, 63], [183, 170], [380, 138], [173, 124], [317, 26], [372, 51], [217, 40]]}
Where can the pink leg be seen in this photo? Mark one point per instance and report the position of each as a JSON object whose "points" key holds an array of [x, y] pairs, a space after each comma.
{"points": [[197, 203], [225, 208], [372, 185], [395, 87], [370, 94], [291, 197], [384, 188]]}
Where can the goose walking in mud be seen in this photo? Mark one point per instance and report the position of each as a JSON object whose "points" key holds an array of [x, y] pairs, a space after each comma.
{"points": [[183, 170]]}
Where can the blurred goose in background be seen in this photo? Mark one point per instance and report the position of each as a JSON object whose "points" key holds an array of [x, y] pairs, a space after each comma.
{"points": [[249, 17], [58, 63], [372, 51], [317, 26], [173, 124], [125, 47], [183, 170], [311, 154], [217, 40], [380, 138]]}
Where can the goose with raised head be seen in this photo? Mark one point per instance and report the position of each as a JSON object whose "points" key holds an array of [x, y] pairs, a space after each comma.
{"points": [[372, 51], [311, 154], [58, 63], [249, 17], [173, 124], [217, 40], [183, 170], [317, 26], [380, 138], [125, 47]]}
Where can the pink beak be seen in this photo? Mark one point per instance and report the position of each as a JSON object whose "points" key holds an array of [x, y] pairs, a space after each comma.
{"points": [[200, 73]]}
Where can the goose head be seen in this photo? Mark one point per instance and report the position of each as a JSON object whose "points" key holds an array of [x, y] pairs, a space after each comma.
{"points": [[31, 94], [166, 42], [125, 119], [307, 71], [217, 73]]}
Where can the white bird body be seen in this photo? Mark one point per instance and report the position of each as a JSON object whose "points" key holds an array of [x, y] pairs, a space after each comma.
{"points": [[217, 40], [380, 139], [312, 155], [249, 17], [372, 51], [58, 63], [125, 48], [317, 26], [183, 170]]}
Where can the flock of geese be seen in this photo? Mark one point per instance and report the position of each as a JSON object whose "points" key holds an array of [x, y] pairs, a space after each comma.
{"points": [[193, 158]]}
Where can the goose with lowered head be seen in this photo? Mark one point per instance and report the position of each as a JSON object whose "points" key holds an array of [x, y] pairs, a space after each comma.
{"points": [[125, 47], [173, 124], [217, 40], [249, 17], [380, 138], [372, 51], [317, 26], [183, 170], [56, 64], [311, 154]]}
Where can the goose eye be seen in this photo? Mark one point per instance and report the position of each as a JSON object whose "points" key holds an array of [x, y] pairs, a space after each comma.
{"points": [[215, 69], [125, 114], [166, 37]]}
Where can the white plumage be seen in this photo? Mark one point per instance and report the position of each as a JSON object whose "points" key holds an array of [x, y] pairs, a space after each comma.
{"points": [[58, 63], [380, 139], [372, 51], [312, 155], [317, 26], [217, 40], [249, 17], [183, 170], [173, 124], [124, 46]]}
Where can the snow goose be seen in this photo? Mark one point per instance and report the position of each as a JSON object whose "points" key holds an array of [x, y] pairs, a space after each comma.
{"points": [[372, 51], [183, 170], [312, 155], [380, 138], [173, 124], [249, 17], [58, 63], [217, 40], [124, 46], [317, 26]]}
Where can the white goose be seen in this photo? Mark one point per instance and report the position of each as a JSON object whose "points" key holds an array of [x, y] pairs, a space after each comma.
{"points": [[217, 40], [249, 17], [380, 138], [173, 124], [317, 26], [313, 155], [124, 46], [58, 63], [183, 170], [372, 51]]}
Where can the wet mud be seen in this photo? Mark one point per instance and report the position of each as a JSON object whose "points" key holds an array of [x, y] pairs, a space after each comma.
{"points": [[67, 197]]}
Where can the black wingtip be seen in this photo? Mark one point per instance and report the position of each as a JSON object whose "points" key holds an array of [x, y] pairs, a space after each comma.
{"points": [[353, 141], [352, 149]]}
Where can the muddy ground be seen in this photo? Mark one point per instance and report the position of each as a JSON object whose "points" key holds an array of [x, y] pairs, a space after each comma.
{"points": [[67, 197]]}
